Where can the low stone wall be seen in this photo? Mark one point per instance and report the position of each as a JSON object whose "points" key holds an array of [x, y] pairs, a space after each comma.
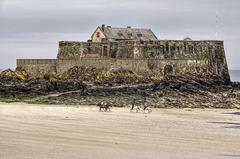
{"points": [[64, 65], [37, 67]]}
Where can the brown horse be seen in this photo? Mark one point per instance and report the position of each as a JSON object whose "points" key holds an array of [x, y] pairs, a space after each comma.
{"points": [[104, 106], [147, 109]]}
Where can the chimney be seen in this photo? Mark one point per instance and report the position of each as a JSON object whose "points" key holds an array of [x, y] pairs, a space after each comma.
{"points": [[129, 27], [103, 27]]}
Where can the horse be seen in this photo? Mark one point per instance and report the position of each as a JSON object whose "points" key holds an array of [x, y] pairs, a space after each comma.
{"points": [[144, 107], [104, 105], [134, 106], [147, 109]]}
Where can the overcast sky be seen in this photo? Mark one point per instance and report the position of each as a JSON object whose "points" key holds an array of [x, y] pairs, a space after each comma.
{"points": [[32, 28]]}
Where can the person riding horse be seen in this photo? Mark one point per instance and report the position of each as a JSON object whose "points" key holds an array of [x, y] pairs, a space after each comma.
{"points": [[134, 106], [145, 106], [104, 105]]}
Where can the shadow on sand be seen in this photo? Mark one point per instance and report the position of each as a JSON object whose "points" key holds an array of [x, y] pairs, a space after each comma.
{"points": [[229, 155], [229, 124], [233, 113]]}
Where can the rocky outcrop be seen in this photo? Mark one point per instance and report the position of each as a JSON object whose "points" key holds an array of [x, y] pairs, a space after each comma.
{"points": [[17, 74], [89, 86], [178, 92], [11, 87]]}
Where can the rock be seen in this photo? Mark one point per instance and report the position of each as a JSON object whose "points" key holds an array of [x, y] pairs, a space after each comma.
{"points": [[17, 74], [120, 87]]}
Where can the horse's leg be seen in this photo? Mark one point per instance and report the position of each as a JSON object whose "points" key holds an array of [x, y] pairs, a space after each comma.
{"points": [[150, 110], [144, 110], [106, 108], [131, 109]]}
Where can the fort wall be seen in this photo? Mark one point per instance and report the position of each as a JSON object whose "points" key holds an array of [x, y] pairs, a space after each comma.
{"points": [[163, 67], [211, 52], [160, 57], [162, 49], [37, 67]]}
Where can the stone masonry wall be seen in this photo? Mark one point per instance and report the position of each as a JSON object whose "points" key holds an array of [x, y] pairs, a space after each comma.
{"points": [[177, 67], [210, 52], [160, 67], [37, 67], [160, 57]]}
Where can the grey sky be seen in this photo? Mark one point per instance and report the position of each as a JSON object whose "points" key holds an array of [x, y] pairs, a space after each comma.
{"points": [[32, 28]]}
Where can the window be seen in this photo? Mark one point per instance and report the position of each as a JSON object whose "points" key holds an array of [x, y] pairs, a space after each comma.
{"points": [[98, 34], [139, 35], [130, 34], [120, 34]]}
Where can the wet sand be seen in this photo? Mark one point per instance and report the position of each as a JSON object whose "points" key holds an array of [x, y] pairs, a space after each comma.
{"points": [[81, 132]]}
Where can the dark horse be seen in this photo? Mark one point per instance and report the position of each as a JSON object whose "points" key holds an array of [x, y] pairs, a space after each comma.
{"points": [[104, 106]]}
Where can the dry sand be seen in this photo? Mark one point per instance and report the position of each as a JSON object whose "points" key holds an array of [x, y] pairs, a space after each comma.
{"points": [[67, 132]]}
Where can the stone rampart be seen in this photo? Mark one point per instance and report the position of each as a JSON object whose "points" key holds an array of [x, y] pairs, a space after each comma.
{"points": [[161, 57], [37, 67], [163, 67]]}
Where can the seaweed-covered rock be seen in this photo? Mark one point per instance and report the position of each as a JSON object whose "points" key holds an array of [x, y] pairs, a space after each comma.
{"points": [[84, 85], [17, 74]]}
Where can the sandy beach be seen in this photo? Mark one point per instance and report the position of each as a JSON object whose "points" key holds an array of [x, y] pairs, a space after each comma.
{"points": [[82, 132]]}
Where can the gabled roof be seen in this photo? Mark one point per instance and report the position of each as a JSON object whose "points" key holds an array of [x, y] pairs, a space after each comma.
{"points": [[128, 33]]}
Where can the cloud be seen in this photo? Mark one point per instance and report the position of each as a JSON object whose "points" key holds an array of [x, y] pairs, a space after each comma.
{"points": [[36, 26]]}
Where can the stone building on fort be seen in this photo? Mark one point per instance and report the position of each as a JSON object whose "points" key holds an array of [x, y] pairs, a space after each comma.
{"points": [[138, 50]]}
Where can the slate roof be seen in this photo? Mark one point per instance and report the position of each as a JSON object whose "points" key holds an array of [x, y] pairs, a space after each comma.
{"points": [[187, 39], [128, 33]]}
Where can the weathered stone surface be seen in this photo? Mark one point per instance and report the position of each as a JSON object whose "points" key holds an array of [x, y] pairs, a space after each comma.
{"points": [[160, 57]]}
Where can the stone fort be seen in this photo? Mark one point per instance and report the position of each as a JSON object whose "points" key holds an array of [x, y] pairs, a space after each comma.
{"points": [[138, 50]]}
